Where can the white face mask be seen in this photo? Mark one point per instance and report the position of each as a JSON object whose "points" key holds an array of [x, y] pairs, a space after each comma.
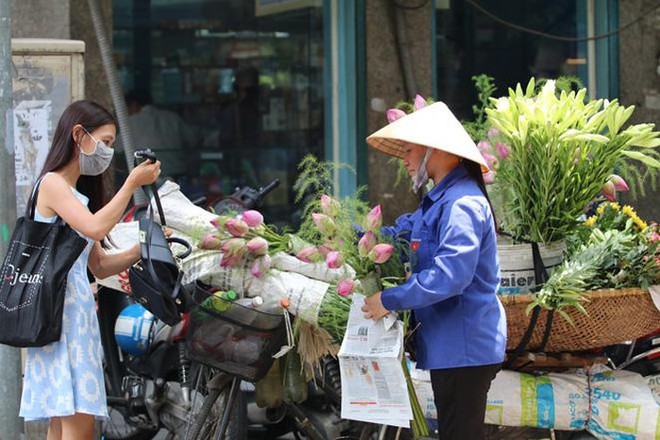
{"points": [[98, 160], [422, 175]]}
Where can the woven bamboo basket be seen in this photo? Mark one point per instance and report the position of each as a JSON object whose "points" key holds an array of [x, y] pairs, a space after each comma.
{"points": [[613, 316]]}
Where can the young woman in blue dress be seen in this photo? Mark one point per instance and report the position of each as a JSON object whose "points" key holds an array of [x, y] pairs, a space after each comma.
{"points": [[461, 337], [63, 381]]}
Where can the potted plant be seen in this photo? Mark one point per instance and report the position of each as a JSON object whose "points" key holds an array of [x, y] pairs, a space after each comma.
{"points": [[550, 154]]}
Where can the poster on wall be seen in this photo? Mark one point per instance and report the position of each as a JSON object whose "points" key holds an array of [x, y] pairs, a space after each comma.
{"points": [[31, 143]]}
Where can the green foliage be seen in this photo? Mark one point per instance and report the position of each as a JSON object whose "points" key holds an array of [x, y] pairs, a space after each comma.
{"points": [[478, 127]]}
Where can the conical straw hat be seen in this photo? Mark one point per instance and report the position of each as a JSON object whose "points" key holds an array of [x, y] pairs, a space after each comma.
{"points": [[434, 126]]}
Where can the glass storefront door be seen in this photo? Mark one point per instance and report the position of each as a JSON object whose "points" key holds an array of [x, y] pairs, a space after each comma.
{"points": [[469, 43], [244, 77]]}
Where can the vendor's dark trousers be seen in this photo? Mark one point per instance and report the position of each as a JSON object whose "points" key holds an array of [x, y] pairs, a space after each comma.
{"points": [[460, 398]]}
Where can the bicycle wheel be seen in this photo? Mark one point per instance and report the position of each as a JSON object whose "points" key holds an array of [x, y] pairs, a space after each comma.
{"points": [[208, 420]]}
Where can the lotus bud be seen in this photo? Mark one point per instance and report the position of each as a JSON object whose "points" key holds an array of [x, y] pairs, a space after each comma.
{"points": [[484, 146], [489, 177], [210, 241], [325, 224], [219, 222], [308, 254], [491, 160], [325, 249], [230, 260], [252, 218], [619, 183], [366, 243], [420, 102], [394, 113], [345, 287], [236, 227], [257, 246], [334, 260], [233, 246], [493, 133], [608, 191], [502, 150], [374, 219], [261, 265], [381, 253], [329, 206]]}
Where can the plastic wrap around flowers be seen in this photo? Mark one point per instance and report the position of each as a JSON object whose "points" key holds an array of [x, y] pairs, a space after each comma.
{"points": [[243, 237], [364, 257]]}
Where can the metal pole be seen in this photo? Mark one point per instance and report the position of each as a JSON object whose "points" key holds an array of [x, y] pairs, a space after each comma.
{"points": [[10, 359]]}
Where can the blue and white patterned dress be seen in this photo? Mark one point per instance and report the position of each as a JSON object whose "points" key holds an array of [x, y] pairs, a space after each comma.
{"points": [[66, 377]]}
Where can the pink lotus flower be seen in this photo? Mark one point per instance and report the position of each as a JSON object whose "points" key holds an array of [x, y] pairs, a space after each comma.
{"points": [[484, 147], [210, 241], [257, 246], [237, 227], [366, 243], [420, 102], [608, 191], [233, 246], [493, 133], [381, 253], [252, 218], [308, 254], [489, 177], [261, 265], [334, 260], [502, 150], [345, 287], [394, 113], [325, 224], [374, 219], [619, 183], [329, 206], [324, 249]]}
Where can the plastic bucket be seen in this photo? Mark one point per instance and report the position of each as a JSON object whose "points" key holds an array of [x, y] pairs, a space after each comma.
{"points": [[517, 265]]}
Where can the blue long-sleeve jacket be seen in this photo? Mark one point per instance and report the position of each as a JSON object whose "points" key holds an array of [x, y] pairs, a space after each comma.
{"points": [[455, 276]]}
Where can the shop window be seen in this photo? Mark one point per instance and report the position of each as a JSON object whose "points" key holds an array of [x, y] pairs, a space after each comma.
{"points": [[246, 79], [470, 43]]}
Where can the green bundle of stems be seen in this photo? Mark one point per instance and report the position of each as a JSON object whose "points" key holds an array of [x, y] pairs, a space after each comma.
{"points": [[418, 425], [333, 315]]}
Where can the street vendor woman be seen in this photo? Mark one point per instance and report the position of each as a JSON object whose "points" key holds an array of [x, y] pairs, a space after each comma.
{"points": [[461, 334]]}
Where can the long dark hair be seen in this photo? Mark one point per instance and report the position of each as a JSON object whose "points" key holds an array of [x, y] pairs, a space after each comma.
{"points": [[474, 170], [91, 116]]}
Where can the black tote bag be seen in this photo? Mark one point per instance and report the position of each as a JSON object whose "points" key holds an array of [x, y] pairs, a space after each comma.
{"points": [[33, 279]]}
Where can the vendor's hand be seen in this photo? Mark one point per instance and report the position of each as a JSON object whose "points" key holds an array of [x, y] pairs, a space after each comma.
{"points": [[373, 307]]}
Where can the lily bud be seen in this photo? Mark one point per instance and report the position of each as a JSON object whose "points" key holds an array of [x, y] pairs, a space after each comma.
{"points": [[324, 223], [261, 265], [334, 260], [345, 287], [257, 246], [374, 219], [420, 102], [381, 253], [236, 227], [252, 218], [619, 183], [308, 254], [394, 113], [366, 243], [210, 241], [329, 206]]}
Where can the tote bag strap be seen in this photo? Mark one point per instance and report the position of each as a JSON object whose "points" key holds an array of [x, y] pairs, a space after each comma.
{"points": [[31, 207]]}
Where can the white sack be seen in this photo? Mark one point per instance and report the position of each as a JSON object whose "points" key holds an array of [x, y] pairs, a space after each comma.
{"points": [[318, 271], [181, 214]]}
